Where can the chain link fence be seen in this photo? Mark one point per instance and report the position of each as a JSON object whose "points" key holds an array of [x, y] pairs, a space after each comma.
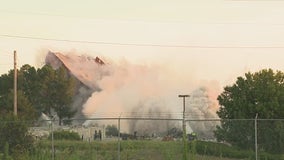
{"points": [[122, 138]]}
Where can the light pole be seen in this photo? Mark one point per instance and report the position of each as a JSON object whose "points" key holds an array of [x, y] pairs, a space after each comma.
{"points": [[184, 128]]}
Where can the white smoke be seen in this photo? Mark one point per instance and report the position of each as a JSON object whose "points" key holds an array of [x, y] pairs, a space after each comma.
{"points": [[201, 107], [131, 90], [85, 70], [127, 86]]}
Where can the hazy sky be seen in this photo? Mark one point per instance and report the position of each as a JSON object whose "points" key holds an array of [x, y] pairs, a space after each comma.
{"points": [[208, 40]]}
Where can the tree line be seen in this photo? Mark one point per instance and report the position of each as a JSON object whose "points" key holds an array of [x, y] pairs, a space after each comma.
{"points": [[42, 90], [49, 91], [260, 93]]}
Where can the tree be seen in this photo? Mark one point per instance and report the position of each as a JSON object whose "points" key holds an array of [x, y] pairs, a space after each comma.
{"points": [[259, 93], [42, 91], [56, 92], [14, 130], [26, 109], [111, 130], [29, 83], [25, 90], [65, 85]]}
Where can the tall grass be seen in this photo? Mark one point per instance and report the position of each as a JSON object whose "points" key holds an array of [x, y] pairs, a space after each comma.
{"points": [[138, 150]]}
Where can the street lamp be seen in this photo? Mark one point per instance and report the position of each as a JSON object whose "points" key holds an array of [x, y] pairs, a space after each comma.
{"points": [[184, 128]]}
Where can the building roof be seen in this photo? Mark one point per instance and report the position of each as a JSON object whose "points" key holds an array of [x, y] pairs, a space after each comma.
{"points": [[85, 68]]}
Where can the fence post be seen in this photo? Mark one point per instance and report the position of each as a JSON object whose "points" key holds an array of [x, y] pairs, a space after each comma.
{"points": [[118, 148], [255, 136], [52, 140]]}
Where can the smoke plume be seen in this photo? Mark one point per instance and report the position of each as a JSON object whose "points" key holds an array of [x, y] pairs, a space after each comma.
{"points": [[201, 107], [130, 90]]}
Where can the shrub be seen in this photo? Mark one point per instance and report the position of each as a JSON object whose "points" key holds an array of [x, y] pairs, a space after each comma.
{"points": [[223, 150], [6, 153], [15, 132], [65, 135]]}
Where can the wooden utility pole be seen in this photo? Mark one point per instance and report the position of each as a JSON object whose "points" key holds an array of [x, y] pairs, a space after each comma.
{"points": [[15, 84], [184, 137]]}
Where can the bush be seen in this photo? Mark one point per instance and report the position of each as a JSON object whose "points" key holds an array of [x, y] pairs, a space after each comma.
{"points": [[15, 132], [111, 130], [65, 135], [223, 150], [6, 153]]}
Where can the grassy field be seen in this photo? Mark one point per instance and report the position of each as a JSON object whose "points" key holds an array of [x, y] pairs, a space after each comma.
{"points": [[198, 157], [108, 150], [136, 150]]}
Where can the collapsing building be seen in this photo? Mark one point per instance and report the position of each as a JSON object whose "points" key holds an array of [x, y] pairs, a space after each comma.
{"points": [[82, 68], [136, 91]]}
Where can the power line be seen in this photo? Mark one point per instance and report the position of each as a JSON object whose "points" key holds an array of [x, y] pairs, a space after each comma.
{"points": [[144, 44], [139, 20], [35, 13]]}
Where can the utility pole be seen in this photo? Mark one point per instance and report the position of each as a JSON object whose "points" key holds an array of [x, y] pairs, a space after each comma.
{"points": [[184, 128], [15, 84]]}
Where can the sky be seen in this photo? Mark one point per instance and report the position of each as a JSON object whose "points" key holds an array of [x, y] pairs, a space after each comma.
{"points": [[204, 40]]}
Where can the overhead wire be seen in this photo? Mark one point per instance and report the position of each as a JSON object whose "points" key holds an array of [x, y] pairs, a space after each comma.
{"points": [[143, 44], [137, 20], [135, 44]]}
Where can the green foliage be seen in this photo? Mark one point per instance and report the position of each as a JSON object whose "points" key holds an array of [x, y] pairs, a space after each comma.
{"points": [[150, 150], [263, 93], [222, 150], [7, 82], [192, 149], [41, 90], [56, 92], [29, 83], [26, 109], [111, 130], [6, 155], [15, 132], [65, 135]]}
